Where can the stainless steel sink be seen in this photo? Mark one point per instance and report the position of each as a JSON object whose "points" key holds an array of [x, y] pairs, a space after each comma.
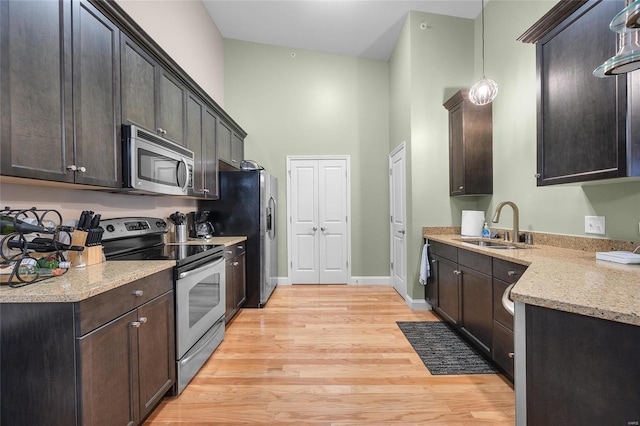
{"points": [[494, 245]]}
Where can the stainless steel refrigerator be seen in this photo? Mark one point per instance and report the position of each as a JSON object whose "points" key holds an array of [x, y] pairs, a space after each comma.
{"points": [[248, 206]]}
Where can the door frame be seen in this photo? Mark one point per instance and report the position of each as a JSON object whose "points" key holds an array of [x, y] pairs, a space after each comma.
{"points": [[347, 159], [397, 150]]}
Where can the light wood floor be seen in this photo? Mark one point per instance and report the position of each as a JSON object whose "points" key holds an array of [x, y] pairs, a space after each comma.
{"points": [[331, 355]]}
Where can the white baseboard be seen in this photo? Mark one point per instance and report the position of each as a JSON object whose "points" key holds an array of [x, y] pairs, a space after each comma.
{"points": [[417, 304], [370, 281], [352, 281]]}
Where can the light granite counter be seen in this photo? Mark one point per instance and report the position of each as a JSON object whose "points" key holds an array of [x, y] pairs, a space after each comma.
{"points": [[568, 280], [81, 283], [227, 241]]}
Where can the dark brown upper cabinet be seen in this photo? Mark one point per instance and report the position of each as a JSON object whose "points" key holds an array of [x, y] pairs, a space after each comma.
{"points": [[230, 147], [470, 146], [585, 124], [200, 137], [60, 93], [151, 97]]}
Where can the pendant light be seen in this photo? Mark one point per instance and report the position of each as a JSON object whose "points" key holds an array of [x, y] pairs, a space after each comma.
{"points": [[627, 59], [485, 90]]}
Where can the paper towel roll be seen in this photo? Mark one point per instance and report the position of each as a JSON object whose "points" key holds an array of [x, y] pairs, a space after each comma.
{"points": [[472, 222]]}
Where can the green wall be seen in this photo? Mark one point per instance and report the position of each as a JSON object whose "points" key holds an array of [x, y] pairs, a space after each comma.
{"points": [[318, 104], [556, 209]]}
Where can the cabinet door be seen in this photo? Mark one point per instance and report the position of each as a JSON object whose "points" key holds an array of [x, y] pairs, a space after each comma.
{"points": [[502, 348], [96, 97], [456, 153], [581, 119], [108, 368], [35, 89], [156, 351], [139, 82], [172, 98], [448, 290], [240, 279], [237, 150], [224, 142], [230, 300], [477, 307], [210, 155], [193, 138]]}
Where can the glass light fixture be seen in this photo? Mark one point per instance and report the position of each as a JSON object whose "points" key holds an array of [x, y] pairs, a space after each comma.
{"points": [[485, 90], [627, 59]]}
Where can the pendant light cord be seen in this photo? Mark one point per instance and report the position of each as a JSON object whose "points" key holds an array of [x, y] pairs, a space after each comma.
{"points": [[483, 74]]}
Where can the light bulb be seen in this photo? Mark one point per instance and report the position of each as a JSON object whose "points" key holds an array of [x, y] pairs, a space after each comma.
{"points": [[483, 92]]}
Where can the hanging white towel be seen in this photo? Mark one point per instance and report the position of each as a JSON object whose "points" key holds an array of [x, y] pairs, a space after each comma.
{"points": [[425, 268]]}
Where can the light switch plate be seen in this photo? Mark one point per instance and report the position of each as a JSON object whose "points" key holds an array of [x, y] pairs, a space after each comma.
{"points": [[594, 225]]}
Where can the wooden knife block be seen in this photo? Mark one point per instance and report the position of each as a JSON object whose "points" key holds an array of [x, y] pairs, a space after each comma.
{"points": [[91, 255]]}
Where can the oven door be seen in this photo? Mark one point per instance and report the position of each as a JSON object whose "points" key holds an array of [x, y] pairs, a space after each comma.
{"points": [[200, 301]]}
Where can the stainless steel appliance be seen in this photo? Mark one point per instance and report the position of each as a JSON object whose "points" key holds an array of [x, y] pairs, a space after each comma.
{"points": [[152, 164], [199, 225], [199, 286], [248, 206]]}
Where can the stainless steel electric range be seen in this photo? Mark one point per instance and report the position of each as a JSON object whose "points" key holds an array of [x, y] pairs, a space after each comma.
{"points": [[199, 285]]}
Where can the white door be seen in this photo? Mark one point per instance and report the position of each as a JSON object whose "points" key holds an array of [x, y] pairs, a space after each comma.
{"points": [[318, 221], [398, 221]]}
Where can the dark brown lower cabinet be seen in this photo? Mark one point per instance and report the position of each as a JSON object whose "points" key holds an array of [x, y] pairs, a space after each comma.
{"points": [[107, 360], [448, 304], [236, 280], [465, 289], [581, 370]]}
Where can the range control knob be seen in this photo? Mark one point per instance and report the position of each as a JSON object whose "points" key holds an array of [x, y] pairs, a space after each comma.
{"points": [[110, 228], [161, 224]]}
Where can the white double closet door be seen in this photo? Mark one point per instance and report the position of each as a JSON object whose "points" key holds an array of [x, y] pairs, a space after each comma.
{"points": [[319, 210]]}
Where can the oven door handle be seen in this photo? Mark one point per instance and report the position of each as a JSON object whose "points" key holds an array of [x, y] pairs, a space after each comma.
{"points": [[206, 266]]}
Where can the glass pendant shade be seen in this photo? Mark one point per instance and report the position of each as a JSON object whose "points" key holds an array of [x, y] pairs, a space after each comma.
{"points": [[483, 92]]}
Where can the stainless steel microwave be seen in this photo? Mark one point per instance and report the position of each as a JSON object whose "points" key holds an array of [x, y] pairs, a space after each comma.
{"points": [[155, 165]]}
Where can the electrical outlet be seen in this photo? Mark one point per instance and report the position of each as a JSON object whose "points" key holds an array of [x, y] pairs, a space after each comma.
{"points": [[594, 225]]}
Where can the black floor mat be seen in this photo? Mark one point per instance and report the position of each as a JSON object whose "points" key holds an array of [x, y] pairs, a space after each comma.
{"points": [[442, 350]]}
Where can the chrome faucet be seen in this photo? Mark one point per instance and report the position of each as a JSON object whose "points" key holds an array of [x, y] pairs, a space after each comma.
{"points": [[516, 221]]}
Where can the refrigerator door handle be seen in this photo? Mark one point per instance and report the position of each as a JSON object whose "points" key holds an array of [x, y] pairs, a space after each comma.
{"points": [[271, 219]]}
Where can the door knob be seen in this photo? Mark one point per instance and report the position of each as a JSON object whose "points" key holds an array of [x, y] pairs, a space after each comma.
{"points": [[314, 229], [402, 232], [323, 229]]}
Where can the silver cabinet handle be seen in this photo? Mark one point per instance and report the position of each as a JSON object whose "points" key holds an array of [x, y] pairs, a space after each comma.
{"points": [[136, 324], [537, 176], [511, 355], [507, 303], [229, 252], [143, 320], [235, 263], [461, 188], [162, 131], [138, 293], [512, 273], [205, 190], [233, 161], [72, 167], [82, 169], [457, 272]]}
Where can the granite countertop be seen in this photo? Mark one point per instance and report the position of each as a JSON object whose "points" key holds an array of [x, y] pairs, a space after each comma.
{"points": [[568, 280], [81, 283], [227, 241]]}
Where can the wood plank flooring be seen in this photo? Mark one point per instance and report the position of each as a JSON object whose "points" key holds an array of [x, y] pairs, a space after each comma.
{"points": [[331, 355]]}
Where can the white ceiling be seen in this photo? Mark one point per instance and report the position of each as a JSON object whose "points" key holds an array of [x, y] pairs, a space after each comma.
{"points": [[364, 28]]}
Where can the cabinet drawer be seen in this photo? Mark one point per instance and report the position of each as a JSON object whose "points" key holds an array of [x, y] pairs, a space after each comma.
{"points": [[444, 250], [479, 262], [235, 250], [102, 308], [500, 314], [503, 346], [507, 271]]}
